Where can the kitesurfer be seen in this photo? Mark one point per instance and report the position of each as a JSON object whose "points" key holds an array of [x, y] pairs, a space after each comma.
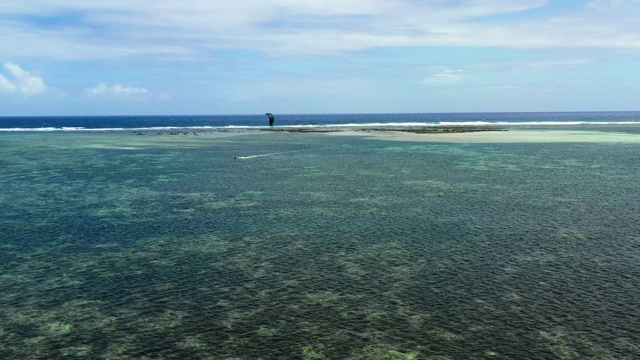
{"points": [[271, 118]]}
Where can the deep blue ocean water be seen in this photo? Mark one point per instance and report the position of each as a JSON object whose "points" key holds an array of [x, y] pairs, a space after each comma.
{"points": [[72, 123]]}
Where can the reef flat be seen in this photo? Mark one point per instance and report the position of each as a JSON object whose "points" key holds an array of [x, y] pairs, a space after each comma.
{"points": [[341, 245], [407, 129]]}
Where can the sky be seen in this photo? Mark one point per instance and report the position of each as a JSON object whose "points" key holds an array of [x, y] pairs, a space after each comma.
{"points": [[197, 57]]}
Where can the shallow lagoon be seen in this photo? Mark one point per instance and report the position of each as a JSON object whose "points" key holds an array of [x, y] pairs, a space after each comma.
{"points": [[310, 246]]}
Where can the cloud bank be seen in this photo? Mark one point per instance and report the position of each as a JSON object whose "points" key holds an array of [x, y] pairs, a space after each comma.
{"points": [[192, 29], [22, 82]]}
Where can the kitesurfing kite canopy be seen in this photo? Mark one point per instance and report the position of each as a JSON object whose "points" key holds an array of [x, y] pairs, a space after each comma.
{"points": [[271, 118]]}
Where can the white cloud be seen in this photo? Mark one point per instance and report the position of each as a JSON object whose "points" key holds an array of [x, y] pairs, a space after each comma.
{"points": [[102, 29], [6, 85], [117, 89], [23, 81], [98, 89], [446, 77]]}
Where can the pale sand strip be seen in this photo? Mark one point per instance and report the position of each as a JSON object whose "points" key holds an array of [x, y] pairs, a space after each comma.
{"points": [[510, 136]]}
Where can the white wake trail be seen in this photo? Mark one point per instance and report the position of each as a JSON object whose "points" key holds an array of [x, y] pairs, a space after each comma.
{"points": [[270, 154], [253, 156]]}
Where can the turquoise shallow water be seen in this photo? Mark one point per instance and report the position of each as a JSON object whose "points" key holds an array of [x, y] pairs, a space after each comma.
{"points": [[119, 246]]}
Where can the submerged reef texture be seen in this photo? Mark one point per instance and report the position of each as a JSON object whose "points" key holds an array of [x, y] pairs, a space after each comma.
{"points": [[309, 246]]}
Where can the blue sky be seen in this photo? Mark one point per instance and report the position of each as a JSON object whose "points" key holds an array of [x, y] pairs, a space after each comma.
{"points": [[146, 57]]}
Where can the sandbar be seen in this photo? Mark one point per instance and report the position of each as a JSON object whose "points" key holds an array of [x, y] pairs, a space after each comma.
{"points": [[504, 136]]}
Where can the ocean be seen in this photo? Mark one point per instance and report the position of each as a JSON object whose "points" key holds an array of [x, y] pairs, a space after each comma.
{"points": [[217, 122], [229, 244]]}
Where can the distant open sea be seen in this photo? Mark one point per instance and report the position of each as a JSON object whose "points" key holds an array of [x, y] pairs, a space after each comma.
{"points": [[96, 123], [246, 245]]}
